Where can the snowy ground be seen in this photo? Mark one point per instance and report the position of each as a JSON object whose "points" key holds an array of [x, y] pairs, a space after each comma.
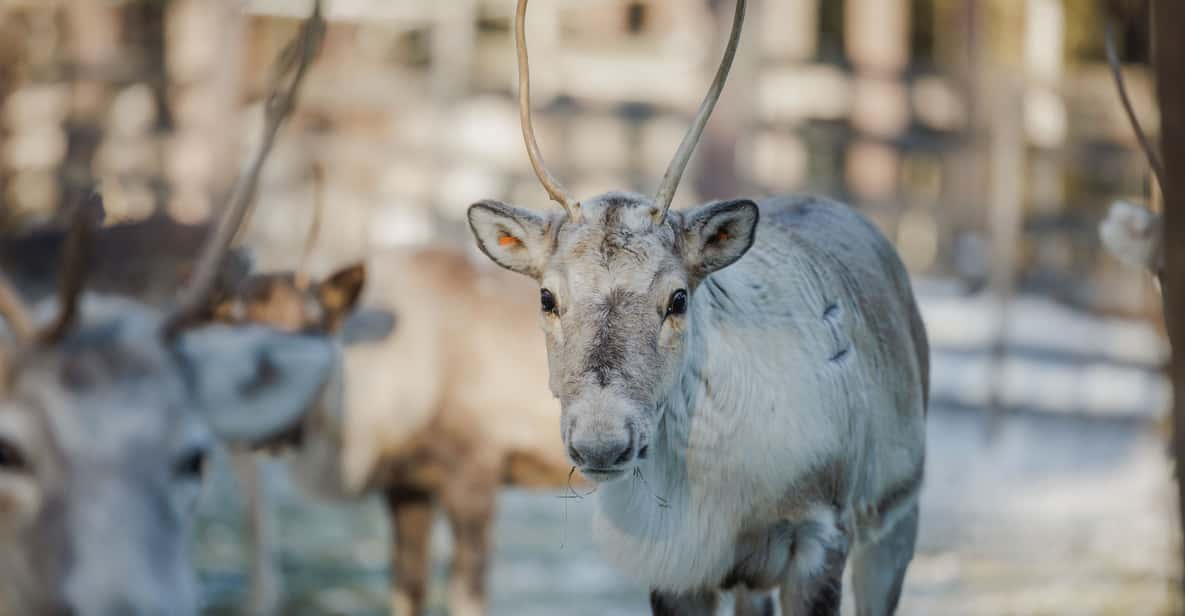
{"points": [[1060, 505], [1056, 359], [1051, 515]]}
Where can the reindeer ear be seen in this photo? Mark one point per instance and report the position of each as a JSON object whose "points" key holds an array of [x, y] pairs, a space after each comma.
{"points": [[512, 237], [717, 234], [339, 293], [226, 309], [255, 383]]}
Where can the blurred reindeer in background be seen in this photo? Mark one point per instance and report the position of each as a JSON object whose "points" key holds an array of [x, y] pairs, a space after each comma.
{"points": [[108, 405], [281, 301], [429, 405]]}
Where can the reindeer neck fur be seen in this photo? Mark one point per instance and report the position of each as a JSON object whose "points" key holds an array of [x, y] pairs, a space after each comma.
{"points": [[677, 522]]}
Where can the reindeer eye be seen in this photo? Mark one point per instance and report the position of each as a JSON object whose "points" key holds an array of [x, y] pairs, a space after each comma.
{"points": [[191, 465], [11, 459], [547, 301], [678, 302]]}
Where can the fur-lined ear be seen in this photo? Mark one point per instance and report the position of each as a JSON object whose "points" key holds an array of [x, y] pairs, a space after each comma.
{"points": [[226, 310], [512, 237], [339, 293], [717, 234]]}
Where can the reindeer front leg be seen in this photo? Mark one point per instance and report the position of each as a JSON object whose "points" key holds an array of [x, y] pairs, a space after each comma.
{"points": [[469, 502], [265, 588], [754, 602], [699, 603], [411, 519]]}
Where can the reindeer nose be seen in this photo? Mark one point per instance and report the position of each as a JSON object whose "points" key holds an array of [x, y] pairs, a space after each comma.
{"points": [[603, 454]]}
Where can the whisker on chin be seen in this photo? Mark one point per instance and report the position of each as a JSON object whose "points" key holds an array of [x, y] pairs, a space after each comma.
{"points": [[663, 503], [574, 493]]}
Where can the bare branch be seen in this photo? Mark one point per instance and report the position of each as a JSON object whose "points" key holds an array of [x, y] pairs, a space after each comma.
{"points": [[289, 72], [554, 189], [1117, 74], [670, 180]]}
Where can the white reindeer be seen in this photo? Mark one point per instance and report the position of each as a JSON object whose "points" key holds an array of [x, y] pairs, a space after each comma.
{"points": [[747, 382]]}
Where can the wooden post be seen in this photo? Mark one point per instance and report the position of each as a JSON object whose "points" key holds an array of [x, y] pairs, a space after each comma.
{"points": [[204, 43], [1168, 56], [93, 30]]}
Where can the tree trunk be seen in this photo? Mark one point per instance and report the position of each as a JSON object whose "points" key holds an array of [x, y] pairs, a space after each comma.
{"points": [[1168, 57], [94, 31]]}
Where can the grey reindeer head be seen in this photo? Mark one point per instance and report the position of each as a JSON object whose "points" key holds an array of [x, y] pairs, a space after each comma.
{"points": [[103, 434], [618, 274], [106, 417], [108, 408]]}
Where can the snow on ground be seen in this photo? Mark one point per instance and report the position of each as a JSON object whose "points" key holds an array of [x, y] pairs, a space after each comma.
{"points": [[1044, 514], [1056, 359]]}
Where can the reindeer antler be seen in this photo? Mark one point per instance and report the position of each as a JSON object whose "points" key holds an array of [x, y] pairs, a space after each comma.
{"points": [[72, 274], [15, 313], [670, 180], [554, 189], [75, 262], [289, 72]]}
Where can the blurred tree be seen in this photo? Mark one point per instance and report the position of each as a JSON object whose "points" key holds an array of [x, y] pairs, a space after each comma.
{"points": [[93, 33], [12, 52], [1168, 57]]}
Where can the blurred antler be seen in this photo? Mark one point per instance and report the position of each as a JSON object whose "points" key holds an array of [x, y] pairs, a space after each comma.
{"points": [[554, 189], [15, 313], [1116, 72], [288, 74], [302, 271], [75, 261], [76, 257]]}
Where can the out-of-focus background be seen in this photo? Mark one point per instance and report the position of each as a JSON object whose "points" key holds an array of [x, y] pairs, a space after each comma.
{"points": [[986, 139]]}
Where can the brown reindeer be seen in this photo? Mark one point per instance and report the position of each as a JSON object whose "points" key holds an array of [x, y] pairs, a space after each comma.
{"points": [[438, 403]]}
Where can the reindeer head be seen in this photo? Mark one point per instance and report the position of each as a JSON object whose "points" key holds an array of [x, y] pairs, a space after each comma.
{"points": [[103, 435], [108, 408], [288, 303], [618, 275], [291, 301], [106, 417]]}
